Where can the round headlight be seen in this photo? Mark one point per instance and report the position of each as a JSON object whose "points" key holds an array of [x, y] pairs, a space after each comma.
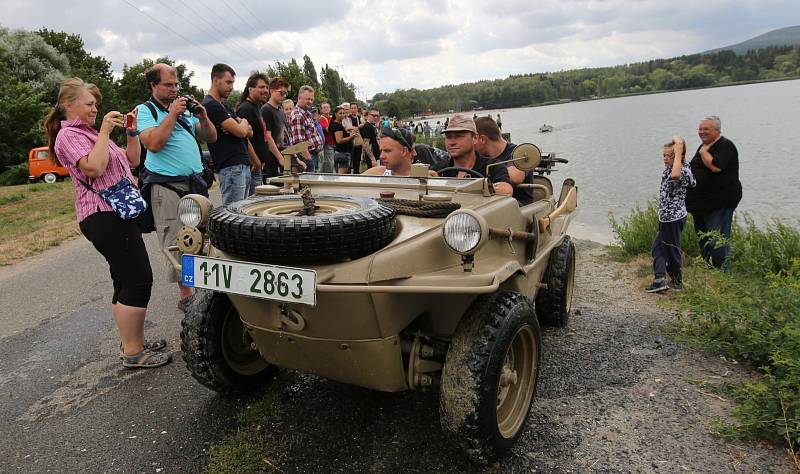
{"points": [[193, 210], [464, 231]]}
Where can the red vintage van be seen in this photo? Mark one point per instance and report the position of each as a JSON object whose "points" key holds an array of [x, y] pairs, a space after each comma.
{"points": [[41, 168]]}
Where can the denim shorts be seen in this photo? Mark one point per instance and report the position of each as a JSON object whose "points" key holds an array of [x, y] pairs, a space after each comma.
{"points": [[341, 160], [234, 183]]}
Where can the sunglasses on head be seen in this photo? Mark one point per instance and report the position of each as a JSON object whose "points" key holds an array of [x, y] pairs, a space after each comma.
{"points": [[399, 135]]}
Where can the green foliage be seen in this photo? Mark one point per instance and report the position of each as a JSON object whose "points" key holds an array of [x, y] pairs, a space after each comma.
{"points": [[436, 141], [21, 110], [15, 175], [251, 448], [33, 61], [751, 314], [698, 70], [759, 251], [634, 234], [753, 318]]}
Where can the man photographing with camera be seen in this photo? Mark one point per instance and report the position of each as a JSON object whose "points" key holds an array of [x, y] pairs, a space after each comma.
{"points": [[169, 126]]}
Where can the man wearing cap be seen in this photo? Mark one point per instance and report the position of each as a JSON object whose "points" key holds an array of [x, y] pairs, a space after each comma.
{"points": [[460, 137], [397, 153], [490, 143]]}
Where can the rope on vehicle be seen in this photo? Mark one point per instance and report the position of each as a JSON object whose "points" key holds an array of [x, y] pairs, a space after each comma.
{"points": [[408, 207]]}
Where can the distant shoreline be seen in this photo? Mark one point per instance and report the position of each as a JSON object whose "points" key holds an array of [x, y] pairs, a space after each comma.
{"points": [[631, 94]]}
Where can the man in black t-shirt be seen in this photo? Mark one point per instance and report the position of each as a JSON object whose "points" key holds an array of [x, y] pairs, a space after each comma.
{"points": [[460, 137], [232, 154], [253, 97], [490, 143], [715, 167], [275, 122], [369, 132]]}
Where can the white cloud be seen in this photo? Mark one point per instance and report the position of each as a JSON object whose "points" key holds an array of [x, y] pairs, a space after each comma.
{"points": [[382, 46]]}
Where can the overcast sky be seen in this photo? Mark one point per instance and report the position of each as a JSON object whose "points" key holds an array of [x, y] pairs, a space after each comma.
{"points": [[384, 45]]}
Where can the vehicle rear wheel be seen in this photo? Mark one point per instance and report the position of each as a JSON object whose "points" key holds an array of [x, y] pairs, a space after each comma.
{"points": [[218, 349], [268, 229], [554, 303], [490, 375], [49, 178]]}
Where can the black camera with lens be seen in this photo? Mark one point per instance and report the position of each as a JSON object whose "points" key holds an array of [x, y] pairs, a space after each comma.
{"points": [[192, 105]]}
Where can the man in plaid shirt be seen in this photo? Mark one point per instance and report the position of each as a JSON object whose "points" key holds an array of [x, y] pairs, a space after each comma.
{"points": [[301, 124]]}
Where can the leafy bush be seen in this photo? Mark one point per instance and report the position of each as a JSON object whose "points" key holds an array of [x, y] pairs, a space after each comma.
{"points": [[756, 320], [751, 314], [634, 234], [759, 251], [17, 174]]}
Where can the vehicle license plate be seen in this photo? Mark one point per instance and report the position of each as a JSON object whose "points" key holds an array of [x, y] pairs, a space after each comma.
{"points": [[271, 282]]}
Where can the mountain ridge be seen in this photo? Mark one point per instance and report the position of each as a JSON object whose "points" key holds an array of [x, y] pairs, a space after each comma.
{"points": [[787, 36]]}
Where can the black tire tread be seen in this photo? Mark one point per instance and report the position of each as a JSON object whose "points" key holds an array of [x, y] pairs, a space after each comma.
{"points": [[465, 369], [302, 239], [551, 304], [200, 356]]}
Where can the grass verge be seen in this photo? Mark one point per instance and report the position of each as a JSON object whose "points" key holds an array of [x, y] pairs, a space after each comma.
{"points": [[751, 314], [252, 448], [35, 217]]}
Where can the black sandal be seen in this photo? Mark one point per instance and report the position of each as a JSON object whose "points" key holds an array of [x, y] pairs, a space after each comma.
{"points": [[146, 359]]}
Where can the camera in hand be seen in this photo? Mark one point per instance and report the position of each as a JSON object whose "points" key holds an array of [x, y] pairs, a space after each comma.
{"points": [[192, 105]]}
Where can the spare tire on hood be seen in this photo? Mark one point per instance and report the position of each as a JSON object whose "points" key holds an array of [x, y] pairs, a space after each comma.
{"points": [[268, 229]]}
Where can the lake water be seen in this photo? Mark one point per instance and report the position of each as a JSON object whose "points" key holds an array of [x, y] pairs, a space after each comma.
{"points": [[614, 146]]}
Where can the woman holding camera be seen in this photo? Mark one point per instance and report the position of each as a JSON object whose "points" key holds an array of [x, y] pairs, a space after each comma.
{"points": [[96, 163]]}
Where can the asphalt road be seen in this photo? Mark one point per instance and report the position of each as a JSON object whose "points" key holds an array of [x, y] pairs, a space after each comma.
{"points": [[614, 394], [68, 405]]}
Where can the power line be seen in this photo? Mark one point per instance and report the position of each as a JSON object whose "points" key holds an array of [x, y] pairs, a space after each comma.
{"points": [[255, 28], [166, 27], [231, 25], [242, 49]]}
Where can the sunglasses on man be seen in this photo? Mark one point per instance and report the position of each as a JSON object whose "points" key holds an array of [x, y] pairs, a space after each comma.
{"points": [[399, 135]]}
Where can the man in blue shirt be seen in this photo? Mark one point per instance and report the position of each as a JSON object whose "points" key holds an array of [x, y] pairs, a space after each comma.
{"points": [[172, 156]]}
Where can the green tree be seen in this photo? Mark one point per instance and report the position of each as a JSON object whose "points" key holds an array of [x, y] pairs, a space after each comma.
{"points": [[92, 69], [310, 71], [31, 60], [21, 111]]}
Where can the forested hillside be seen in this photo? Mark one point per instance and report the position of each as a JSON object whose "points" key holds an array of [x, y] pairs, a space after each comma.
{"points": [[684, 72]]}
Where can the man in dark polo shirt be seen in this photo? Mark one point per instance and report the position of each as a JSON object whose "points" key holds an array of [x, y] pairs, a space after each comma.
{"points": [[490, 143], [459, 140], [230, 152], [253, 97], [716, 169]]}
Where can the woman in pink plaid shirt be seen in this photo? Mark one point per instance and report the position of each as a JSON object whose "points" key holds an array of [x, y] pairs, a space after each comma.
{"points": [[92, 157]]}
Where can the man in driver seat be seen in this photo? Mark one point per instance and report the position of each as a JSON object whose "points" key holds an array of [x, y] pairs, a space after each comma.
{"points": [[460, 138]]}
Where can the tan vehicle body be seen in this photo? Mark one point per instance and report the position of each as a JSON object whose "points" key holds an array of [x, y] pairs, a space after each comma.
{"points": [[413, 314], [352, 334]]}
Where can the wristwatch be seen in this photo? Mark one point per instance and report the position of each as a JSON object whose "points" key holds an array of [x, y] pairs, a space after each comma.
{"points": [[134, 133]]}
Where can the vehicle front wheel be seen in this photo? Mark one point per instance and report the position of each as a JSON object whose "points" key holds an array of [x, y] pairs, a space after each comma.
{"points": [[218, 349], [554, 303], [49, 178], [490, 375]]}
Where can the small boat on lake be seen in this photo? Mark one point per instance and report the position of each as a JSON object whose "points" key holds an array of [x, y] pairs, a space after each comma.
{"points": [[545, 128]]}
